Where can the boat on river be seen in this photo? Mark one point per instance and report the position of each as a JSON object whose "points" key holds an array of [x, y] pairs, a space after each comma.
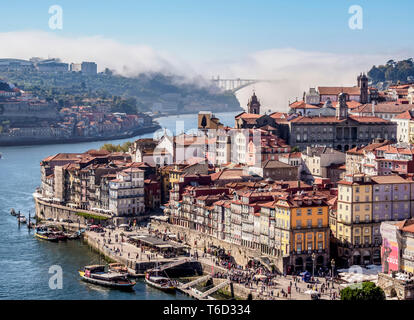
{"points": [[22, 219], [13, 212], [161, 283], [96, 274], [45, 235], [73, 235]]}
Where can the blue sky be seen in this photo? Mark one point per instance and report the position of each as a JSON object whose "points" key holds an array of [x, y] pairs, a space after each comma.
{"points": [[224, 29]]}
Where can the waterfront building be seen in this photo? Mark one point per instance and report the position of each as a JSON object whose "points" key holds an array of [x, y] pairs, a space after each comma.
{"points": [[363, 203], [302, 226], [101, 182], [126, 194]]}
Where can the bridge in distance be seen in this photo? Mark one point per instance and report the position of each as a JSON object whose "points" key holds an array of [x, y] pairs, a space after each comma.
{"points": [[234, 85]]}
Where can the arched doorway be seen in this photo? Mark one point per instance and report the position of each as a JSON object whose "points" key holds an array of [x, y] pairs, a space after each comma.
{"points": [[309, 264], [376, 257], [346, 148], [356, 258], [366, 257], [299, 264]]}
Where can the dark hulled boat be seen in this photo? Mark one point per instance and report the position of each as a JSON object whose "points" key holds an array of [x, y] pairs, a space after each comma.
{"points": [[96, 274]]}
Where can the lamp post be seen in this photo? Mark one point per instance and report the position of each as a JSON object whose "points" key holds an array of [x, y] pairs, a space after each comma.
{"points": [[333, 270], [313, 264]]}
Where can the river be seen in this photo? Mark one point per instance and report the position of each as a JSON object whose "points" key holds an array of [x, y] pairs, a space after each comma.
{"points": [[25, 260]]}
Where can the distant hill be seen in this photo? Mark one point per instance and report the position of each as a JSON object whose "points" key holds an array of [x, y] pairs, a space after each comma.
{"points": [[392, 72], [146, 89]]}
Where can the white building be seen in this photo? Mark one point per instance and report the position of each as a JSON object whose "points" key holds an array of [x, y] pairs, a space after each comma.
{"points": [[126, 193], [403, 125]]}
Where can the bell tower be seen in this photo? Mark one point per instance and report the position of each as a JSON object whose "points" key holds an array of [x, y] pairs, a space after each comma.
{"points": [[253, 106], [341, 107], [363, 85]]}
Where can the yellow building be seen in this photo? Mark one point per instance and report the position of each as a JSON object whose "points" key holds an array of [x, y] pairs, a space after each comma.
{"points": [[302, 223], [354, 219]]}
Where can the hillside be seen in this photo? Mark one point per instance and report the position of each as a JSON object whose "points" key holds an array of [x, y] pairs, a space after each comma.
{"points": [[392, 72], [167, 92]]}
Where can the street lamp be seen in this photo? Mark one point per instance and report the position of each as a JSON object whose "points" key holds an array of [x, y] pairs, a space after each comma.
{"points": [[333, 270], [313, 264]]}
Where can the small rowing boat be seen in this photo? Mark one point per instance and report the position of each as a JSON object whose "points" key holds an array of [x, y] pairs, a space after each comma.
{"points": [[13, 212], [22, 219], [96, 274], [161, 283]]}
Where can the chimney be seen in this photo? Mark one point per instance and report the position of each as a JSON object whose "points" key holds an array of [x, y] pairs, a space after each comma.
{"points": [[373, 108]]}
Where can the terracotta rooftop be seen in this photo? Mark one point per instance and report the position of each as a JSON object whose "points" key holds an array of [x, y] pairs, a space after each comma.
{"points": [[337, 90]]}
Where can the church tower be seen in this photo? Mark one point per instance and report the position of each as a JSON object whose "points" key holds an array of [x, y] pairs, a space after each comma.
{"points": [[341, 107], [363, 85], [254, 105]]}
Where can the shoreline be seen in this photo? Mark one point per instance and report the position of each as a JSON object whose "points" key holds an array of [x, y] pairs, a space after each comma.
{"points": [[48, 141], [193, 113]]}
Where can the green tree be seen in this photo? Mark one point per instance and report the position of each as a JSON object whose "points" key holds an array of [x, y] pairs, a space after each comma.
{"points": [[367, 291]]}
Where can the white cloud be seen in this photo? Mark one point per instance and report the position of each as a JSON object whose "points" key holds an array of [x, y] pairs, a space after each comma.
{"points": [[128, 60], [298, 70]]}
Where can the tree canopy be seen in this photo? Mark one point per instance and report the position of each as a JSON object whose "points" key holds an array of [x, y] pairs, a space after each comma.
{"points": [[393, 71], [116, 147], [367, 291]]}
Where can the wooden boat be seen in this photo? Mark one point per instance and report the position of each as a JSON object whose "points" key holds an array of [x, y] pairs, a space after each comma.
{"points": [[13, 212], [72, 236], [161, 283], [60, 235], [96, 274], [46, 236]]}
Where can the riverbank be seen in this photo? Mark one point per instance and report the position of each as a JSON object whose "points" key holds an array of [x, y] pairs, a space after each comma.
{"points": [[195, 113], [27, 141]]}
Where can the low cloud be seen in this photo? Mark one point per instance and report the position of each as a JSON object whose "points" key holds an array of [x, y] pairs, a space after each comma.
{"points": [[296, 70], [125, 59]]}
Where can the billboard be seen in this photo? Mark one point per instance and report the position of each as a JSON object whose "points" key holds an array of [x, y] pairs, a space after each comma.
{"points": [[407, 255], [389, 248]]}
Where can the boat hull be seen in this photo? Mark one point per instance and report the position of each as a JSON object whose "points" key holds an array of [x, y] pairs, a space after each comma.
{"points": [[159, 287], [44, 237], [108, 284]]}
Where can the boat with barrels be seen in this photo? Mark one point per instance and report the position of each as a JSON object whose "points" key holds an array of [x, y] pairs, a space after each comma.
{"points": [[44, 234], [96, 274]]}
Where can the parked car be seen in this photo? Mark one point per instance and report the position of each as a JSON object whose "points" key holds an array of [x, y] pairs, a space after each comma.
{"points": [[110, 227]]}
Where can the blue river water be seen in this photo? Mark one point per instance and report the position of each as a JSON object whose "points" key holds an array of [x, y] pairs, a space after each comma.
{"points": [[25, 260]]}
